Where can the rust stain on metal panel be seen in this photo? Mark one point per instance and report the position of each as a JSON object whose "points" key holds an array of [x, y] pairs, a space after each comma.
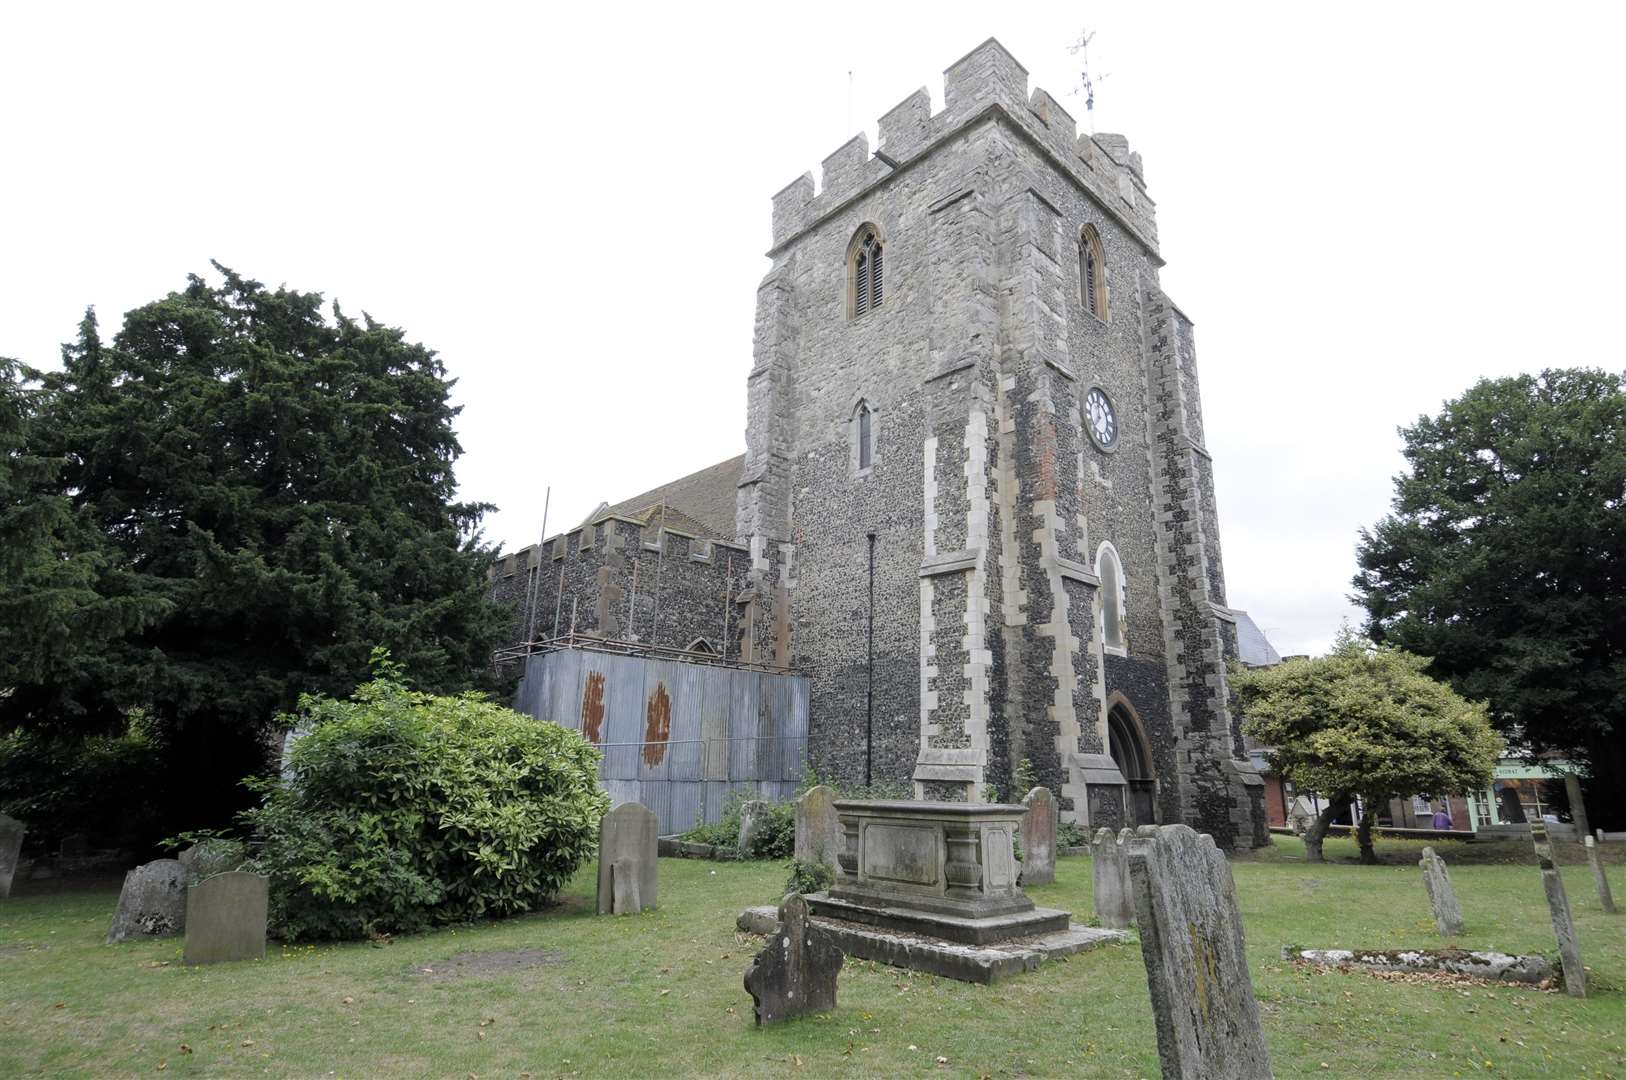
{"points": [[593, 706], [660, 725]]}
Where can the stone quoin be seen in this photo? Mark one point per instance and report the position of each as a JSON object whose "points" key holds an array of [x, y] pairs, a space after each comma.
{"points": [[975, 507]]}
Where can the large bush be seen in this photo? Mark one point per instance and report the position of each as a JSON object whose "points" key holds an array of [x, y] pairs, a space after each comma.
{"points": [[404, 810]]}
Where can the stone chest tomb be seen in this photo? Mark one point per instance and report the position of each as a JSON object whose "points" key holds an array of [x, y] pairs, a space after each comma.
{"points": [[940, 868]]}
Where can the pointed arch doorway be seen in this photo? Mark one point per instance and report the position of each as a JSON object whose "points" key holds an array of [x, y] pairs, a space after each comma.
{"points": [[1133, 757]]}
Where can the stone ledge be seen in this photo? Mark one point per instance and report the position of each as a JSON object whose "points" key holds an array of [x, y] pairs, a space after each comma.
{"points": [[954, 928], [967, 963]]}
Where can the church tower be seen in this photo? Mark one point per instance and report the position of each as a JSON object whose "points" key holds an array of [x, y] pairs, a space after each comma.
{"points": [[976, 493]]}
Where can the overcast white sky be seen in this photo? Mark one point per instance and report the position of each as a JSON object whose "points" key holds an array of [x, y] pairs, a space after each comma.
{"points": [[1364, 208]]}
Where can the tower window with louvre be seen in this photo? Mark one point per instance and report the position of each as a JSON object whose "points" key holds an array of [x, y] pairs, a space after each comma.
{"points": [[864, 272], [1092, 277]]}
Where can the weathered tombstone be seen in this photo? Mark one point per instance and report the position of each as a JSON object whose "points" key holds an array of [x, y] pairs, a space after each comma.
{"points": [[1196, 960], [819, 838], [1109, 872], [1593, 856], [1572, 788], [1558, 904], [753, 819], [1038, 834], [1441, 896], [11, 848], [225, 918], [627, 847], [211, 857], [152, 902], [795, 973]]}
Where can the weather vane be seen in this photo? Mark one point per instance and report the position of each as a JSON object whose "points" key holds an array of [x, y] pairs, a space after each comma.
{"points": [[1080, 48]]}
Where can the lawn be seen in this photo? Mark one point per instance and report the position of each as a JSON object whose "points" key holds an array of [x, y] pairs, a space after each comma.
{"points": [[660, 994]]}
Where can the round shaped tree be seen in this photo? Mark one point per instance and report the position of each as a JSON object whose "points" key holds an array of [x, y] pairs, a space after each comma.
{"points": [[1365, 721]]}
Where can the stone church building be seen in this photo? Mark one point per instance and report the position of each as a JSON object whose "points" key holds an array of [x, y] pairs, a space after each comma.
{"points": [[975, 507]]}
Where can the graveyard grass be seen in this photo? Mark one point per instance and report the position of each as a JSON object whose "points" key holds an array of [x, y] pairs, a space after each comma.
{"points": [[659, 994]]}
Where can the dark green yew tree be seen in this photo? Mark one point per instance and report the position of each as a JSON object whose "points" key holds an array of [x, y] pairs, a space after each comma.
{"points": [[1505, 560], [272, 492]]}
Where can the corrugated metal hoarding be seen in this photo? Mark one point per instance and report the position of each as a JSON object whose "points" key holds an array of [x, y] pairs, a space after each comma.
{"points": [[678, 737]]}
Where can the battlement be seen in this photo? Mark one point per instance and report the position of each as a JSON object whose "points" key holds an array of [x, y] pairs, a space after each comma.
{"points": [[986, 77]]}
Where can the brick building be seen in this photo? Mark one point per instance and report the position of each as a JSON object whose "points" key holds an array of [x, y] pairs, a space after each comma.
{"points": [[975, 507]]}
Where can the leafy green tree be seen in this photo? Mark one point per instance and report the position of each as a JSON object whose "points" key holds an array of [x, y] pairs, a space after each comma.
{"points": [[1504, 559], [1365, 721], [279, 485]]}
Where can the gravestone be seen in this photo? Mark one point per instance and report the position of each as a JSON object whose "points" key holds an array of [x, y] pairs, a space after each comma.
{"points": [[225, 918], [1558, 904], [210, 858], [1196, 959], [1109, 871], [754, 818], [627, 860], [11, 849], [1038, 835], [795, 973], [1593, 856], [1441, 896], [152, 902], [819, 838]]}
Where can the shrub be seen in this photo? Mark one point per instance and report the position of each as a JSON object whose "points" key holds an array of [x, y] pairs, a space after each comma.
{"points": [[776, 839], [405, 810], [1071, 834], [808, 877]]}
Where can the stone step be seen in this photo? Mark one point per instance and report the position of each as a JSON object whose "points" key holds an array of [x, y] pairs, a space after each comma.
{"points": [[966, 931], [952, 960]]}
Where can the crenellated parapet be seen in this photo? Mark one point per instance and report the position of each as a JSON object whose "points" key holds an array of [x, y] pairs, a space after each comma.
{"points": [[987, 79]]}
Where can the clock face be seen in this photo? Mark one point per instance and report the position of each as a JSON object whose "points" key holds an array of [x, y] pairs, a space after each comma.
{"points": [[1100, 418]]}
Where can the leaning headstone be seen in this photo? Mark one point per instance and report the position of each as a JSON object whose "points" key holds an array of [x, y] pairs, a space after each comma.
{"points": [[1593, 856], [1109, 872], [1038, 833], [211, 857], [753, 819], [627, 847], [1441, 896], [1558, 903], [11, 848], [795, 973], [225, 918], [1196, 960], [819, 838], [152, 902]]}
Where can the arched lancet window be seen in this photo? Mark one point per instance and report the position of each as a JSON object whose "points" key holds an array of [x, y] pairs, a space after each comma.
{"points": [[1092, 273], [702, 646], [865, 278], [1111, 573], [866, 436]]}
